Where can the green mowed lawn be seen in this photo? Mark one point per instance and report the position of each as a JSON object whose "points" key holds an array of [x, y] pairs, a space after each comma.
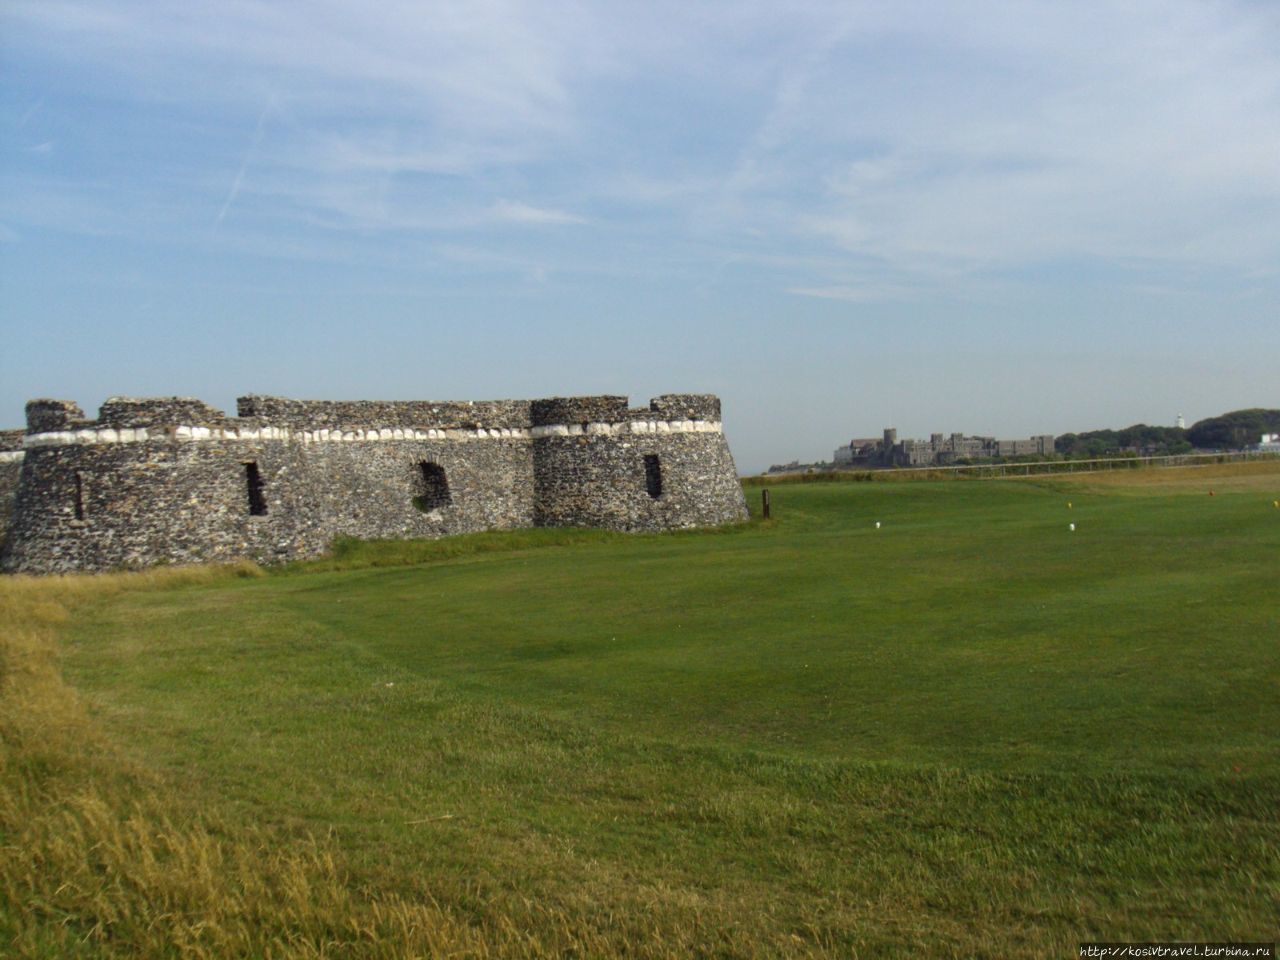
{"points": [[970, 731]]}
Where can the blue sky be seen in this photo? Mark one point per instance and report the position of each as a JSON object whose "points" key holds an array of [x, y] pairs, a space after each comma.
{"points": [[998, 218]]}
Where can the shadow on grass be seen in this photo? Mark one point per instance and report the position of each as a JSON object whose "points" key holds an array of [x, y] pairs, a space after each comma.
{"points": [[348, 553]]}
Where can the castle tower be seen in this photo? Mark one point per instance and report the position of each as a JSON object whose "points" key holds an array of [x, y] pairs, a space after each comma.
{"points": [[597, 463]]}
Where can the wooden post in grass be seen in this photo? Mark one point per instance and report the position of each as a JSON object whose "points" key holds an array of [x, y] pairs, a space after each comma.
{"points": [[764, 503]]}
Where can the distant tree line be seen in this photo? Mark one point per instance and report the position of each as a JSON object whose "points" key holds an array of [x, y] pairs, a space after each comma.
{"points": [[1140, 438], [1241, 428], [1230, 431]]}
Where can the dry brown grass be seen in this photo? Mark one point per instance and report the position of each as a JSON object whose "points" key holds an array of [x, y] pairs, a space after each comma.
{"points": [[102, 858], [1262, 476]]}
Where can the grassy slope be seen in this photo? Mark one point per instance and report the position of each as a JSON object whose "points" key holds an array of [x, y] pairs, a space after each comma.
{"points": [[970, 732]]}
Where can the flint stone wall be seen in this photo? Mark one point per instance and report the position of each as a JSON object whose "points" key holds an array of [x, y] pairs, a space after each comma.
{"points": [[583, 482], [10, 471], [168, 480], [338, 414]]}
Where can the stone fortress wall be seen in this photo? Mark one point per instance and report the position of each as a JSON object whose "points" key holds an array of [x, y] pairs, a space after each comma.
{"points": [[10, 470], [172, 480]]}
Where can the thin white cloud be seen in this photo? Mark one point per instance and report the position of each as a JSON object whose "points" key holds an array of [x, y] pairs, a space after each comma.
{"points": [[386, 153], [487, 69], [30, 112], [858, 294], [513, 211], [234, 191], [84, 209], [1011, 133], [937, 140]]}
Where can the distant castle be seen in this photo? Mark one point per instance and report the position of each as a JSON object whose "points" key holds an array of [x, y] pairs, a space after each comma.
{"points": [[938, 450], [172, 480]]}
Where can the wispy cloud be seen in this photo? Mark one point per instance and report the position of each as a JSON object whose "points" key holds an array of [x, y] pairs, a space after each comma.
{"points": [[853, 294], [936, 140], [1136, 133], [30, 112], [234, 191], [487, 69], [513, 211]]}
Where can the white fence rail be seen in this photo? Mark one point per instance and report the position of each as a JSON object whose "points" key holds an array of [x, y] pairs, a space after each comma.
{"points": [[1041, 467]]}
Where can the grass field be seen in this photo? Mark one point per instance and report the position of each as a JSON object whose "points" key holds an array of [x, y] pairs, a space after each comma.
{"points": [[971, 732]]}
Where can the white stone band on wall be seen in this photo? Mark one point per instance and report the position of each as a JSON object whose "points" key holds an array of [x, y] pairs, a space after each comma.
{"points": [[187, 434], [10, 456]]}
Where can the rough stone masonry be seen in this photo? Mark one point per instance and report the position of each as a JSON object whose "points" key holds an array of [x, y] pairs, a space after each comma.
{"points": [[172, 480]]}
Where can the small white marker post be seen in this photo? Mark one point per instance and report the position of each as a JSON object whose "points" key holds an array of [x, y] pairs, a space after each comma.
{"points": [[877, 524], [1072, 526]]}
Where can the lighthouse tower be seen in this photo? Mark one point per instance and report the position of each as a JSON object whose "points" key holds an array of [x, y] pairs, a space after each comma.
{"points": [[1181, 422]]}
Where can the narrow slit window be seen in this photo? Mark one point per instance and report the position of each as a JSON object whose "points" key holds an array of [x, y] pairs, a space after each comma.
{"points": [[433, 487], [253, 482], [653, 475], [79, 503]]}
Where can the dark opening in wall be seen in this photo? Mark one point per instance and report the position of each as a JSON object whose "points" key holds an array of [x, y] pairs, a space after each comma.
{"points": [[653, 475], [253, 480], [79, 505], [433, 487]]}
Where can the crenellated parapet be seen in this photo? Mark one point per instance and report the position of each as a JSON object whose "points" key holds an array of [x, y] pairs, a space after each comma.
{"points": [[345, 415], [686, 406], [156, 412], [46, 416], [184, 416], [174, 480], [567, 410]]}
